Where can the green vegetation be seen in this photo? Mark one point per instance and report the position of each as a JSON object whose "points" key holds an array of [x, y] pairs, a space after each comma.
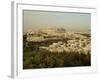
{"points": [[34, 57], [46, 59]]}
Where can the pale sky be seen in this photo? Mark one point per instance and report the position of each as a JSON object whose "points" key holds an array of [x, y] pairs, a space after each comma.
{"points": [[70, 21]]}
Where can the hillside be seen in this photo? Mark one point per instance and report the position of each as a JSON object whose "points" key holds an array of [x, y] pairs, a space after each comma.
{"points": [[49, 42]]}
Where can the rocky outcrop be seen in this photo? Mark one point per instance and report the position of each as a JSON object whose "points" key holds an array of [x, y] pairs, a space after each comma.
{"points": [[52, 33]]}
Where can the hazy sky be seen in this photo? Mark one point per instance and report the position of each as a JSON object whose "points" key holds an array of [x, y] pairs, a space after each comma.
{"points": [[69, 21]]}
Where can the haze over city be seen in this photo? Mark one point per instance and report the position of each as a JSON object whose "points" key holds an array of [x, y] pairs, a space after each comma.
{"points": [[77, 22], [70, 21]]}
